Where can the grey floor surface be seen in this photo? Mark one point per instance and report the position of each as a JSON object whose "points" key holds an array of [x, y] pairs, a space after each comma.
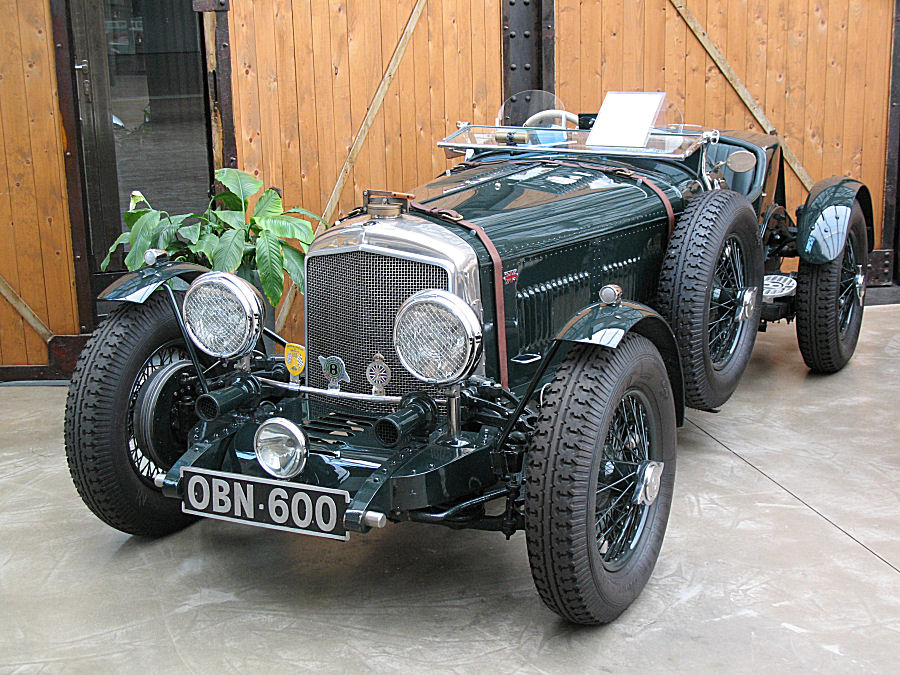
{"points": [[782, 555]]}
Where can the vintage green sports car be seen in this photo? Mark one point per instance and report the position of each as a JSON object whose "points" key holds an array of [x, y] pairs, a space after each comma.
{"points": [[511, 348]]}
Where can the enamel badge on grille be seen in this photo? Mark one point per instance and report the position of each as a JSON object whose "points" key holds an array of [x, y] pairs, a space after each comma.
{"points": [[294, 359], [378, 373], [335, 371]]}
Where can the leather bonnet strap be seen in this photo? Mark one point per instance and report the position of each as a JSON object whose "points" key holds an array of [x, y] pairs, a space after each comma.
{"points": [[452, 216]]}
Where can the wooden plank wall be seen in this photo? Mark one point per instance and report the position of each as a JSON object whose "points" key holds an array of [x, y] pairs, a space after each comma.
{"points": [[820, 69], [304, 72], [35, 238]]}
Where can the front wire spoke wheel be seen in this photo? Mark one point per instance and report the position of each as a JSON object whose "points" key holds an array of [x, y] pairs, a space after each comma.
{"points": [[121, 364], [169, 353], [599, 478], [619, 522]]}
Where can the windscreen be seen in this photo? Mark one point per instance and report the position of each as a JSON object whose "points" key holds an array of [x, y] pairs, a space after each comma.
{"points": [[525, 105]]}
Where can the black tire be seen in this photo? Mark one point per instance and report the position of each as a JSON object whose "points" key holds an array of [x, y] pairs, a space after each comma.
{"points": [[579, 435], [713, 262], [113, 476], [829, 312]]}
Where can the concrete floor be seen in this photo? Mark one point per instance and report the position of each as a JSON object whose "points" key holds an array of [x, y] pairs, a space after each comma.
{"points": [[783, 554]]}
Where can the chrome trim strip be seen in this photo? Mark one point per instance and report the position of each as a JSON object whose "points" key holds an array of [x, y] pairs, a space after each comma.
{"points": [[412, 238]]}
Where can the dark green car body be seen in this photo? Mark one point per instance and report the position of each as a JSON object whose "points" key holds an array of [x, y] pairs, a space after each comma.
{"points": [[564, 227]]}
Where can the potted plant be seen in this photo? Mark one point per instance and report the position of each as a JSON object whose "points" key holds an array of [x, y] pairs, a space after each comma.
{"points": [[227, 236]]}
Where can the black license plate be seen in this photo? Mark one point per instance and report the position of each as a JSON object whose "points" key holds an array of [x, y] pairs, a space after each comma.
{"points": [[278, 505]]}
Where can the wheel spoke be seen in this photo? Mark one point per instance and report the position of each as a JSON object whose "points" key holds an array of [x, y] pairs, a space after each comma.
{"points": [[619, 520], [613, 484], [723, 329]]}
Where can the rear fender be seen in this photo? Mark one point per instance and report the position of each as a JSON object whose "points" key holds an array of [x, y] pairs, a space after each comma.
{"points": [[139, 285], [605, 326], [823, 222]]}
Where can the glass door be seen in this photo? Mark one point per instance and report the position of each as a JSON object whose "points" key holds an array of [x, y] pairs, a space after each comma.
{"points": [[143, 111]]}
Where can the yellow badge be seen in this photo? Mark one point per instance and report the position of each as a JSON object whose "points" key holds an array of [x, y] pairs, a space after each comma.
{"points": [[294, 358]]}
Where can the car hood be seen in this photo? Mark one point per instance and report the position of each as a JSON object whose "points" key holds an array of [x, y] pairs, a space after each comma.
{"points": [[529, 204]]}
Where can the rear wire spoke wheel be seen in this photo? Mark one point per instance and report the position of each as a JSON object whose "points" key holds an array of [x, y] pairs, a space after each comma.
{"points": [[112, 473], [599, 477], [709, 291], [726, 304], [829, 307]]}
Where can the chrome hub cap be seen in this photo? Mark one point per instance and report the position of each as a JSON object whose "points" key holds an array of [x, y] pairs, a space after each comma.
{"points": [[748, 303], [860, 284], [648, 479]]}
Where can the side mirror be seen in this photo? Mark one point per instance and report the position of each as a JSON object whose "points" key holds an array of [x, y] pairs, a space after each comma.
{"points": [[741, 161]]}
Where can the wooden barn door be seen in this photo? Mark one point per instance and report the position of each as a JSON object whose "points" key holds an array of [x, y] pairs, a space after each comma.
{"points": [[819, 71], [304, 73]]}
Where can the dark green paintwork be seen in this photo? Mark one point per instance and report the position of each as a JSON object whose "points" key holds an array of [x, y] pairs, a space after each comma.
{"points": [[564, 234], [821, 230], [139, 285], [606, 325]]}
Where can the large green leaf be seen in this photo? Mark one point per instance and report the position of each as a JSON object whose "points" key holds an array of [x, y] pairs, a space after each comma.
{"points": [[168, 227], [229, 251], [191, 233], [207, 245], [131, 217], [269, 204], [240, 183], [142, 234], [310, 214], [270, 265], [293, 263], [121, 239], [229, 201], [286, 227], [233, 219]]}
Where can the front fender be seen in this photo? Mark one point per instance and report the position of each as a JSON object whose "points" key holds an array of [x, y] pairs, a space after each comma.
{"points": [[606, 325], [139, 285], [824, 220]]}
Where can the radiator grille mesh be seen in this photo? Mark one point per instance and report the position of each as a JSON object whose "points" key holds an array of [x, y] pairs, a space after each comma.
{"points": [[351, 301]]}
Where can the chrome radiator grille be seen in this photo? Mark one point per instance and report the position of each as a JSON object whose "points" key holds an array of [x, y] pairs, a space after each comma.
{"points": [[351, 301]]}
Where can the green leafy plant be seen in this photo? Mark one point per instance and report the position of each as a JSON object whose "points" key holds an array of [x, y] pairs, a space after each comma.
{"points": [[227, 236]]}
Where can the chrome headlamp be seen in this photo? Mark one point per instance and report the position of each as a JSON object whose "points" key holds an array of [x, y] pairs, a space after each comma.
{"points": [[437, 337], [281, 447], [224, 314]]}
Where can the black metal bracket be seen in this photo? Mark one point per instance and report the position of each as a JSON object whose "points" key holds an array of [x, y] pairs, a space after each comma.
{"points": [[528, 46], [890, 224], [211, 5], [218, 81], [881, 266]]}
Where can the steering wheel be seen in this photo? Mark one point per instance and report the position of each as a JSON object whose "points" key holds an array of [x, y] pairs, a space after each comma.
{"points": [[548, 115]]}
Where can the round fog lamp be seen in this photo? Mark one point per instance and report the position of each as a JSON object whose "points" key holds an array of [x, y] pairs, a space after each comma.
{"points": [[280, 447], [437, 337]]}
